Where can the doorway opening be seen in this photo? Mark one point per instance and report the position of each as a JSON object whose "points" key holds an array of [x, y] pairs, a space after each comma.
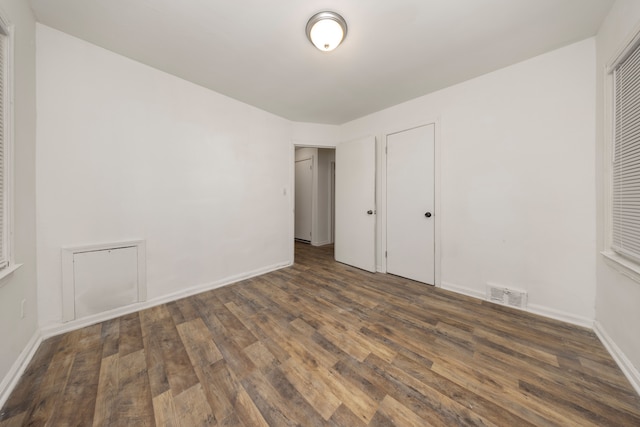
{"points": [[314, 197]]}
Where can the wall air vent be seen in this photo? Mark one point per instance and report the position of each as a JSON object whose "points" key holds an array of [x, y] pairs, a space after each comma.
{"points": [[505, 296]]}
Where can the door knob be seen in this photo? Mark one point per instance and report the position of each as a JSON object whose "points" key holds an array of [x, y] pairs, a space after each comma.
{"points": [[369, 212], [428, 214]]}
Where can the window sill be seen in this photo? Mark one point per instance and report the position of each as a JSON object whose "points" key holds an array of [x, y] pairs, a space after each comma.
{"points": [[622, 265], [6, 272]]}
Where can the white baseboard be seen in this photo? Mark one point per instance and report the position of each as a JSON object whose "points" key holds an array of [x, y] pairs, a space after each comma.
{"points": [[531, 308], [322, 243], [17, 369], [462, 290], [60, 328], [621, 359], [560, 315]]}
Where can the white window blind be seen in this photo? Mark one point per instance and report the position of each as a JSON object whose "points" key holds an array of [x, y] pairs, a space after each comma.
{"points": [[626, 157]]}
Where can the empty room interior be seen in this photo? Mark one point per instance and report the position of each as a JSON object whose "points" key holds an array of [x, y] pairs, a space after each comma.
{"points": [[322, 212]]}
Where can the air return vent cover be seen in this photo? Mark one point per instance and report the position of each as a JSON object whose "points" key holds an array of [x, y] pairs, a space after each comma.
{"points": [[505, 296], [102, 277]]}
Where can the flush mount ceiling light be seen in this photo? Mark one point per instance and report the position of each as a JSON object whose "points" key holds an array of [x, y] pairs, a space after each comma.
{"points": [[326, 30]]}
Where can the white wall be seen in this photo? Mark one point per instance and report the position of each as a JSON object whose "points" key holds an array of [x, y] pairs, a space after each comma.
{"points": [[517, 201], [128, 152], [315, 135], [17, 332], [617, 298]]}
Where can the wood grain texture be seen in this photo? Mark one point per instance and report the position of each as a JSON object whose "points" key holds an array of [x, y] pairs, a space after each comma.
{"points": [[324, 344]]}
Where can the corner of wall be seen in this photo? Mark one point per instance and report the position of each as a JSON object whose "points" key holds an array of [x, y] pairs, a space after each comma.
{"points": [[618, 355], [18, 292], [616, 302], [12, 377]]}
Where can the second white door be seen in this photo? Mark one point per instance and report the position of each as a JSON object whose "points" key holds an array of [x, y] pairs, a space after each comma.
{"points": [[355, 240], [410, 204]]}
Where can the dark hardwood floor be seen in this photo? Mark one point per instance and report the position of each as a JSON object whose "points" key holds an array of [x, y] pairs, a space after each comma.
{"points": [[321, 343]]}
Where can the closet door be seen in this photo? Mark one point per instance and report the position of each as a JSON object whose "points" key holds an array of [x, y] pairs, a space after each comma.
{"points": [[410, 204]]}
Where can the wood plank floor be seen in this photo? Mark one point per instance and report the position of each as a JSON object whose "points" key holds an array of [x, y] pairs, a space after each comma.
{"points": [[322, 343]]}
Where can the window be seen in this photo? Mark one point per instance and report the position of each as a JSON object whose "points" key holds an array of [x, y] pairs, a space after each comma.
{"points": [[625, 196]]}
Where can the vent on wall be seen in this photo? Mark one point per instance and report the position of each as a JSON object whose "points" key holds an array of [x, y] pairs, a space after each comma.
{"points": [[505, 296]]}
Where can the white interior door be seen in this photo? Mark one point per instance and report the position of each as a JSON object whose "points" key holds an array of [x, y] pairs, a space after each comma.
{"points": [[410, 204], [303, 196], [355, 203]]}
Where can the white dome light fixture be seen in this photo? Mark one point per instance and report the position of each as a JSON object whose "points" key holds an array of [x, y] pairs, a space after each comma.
{"points": [[326, 30]]}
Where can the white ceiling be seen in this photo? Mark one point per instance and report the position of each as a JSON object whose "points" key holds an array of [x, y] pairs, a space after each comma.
{"points": [[256, 51]]}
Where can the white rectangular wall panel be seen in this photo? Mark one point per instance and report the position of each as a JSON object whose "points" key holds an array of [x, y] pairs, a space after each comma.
{"points": [[99, 278], [104, 280]]}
